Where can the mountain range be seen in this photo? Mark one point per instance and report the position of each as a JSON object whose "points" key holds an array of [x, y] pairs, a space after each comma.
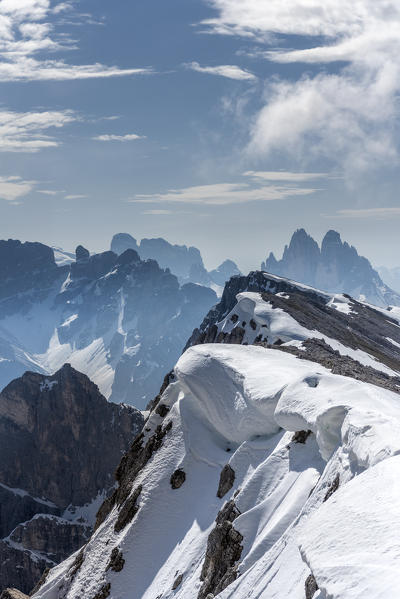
{"points": [[184, 262], [335, 267], [269, 463], [121, 320]]}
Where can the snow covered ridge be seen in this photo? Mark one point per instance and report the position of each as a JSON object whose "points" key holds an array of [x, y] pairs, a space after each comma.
{"points": [[332, 329], [250, 480]]}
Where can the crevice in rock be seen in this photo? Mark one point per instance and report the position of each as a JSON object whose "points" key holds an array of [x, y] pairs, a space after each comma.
{"points": [[223, 552], [226, 480]]}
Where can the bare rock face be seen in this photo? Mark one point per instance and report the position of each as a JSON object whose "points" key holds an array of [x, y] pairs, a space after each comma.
{"points": [[13, 594], [226, 481], [223, 552], [47, 424], [60, 442]]}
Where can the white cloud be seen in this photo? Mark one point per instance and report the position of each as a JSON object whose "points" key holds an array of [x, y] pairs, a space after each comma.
{"points": [[13, 188], [127, 137], [347, 115], [224, 194], [373, 213], [48, 192], [227, 70], [24, 131], [157, 212], [76, 196], [28, 27], [285, 176]]}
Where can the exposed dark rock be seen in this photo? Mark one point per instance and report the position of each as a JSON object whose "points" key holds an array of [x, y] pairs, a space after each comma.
{"points": [[364, 328], [104, 592], [18, 568], [128, 510], [20, 508], [60, 438], [311, 586], [234, 318], [41, 582], [226, 480], [77, 563], [177, 581], [223, 552], [162, 410], [51, 536], [129, 467], [301, 436], [13, 594], [82, 254], [116, 562], [333, 487], [177, 478]]}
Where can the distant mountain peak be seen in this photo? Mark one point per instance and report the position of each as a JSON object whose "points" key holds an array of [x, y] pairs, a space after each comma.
{"points": [[335, 267]]}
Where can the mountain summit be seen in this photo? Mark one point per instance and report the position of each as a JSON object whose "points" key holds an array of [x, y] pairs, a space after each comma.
{"points": [[336, 267]]}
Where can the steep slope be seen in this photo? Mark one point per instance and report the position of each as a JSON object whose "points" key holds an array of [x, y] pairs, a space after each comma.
{"points": [[60, 442], [120, 320], [390, 276], [336, 268], [250, 476]]}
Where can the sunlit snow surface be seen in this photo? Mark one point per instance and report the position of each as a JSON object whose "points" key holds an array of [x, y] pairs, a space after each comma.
{"points": [[241, 404]]}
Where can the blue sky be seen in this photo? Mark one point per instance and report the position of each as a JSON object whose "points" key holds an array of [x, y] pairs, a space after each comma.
{"points": [[224, 124]]}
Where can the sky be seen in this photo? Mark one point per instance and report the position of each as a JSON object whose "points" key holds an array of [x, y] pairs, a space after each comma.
{"points": [[224, 124]]}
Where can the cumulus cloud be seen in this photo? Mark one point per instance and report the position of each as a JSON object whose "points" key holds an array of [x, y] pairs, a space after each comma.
{"points": [[24, 131], [346, 109], [29, 27], [252, 189], [13, 188], [227, 70], [127, 137]]}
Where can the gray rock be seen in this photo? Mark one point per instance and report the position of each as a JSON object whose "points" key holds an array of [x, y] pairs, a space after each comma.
{"points": [[226, 480]]}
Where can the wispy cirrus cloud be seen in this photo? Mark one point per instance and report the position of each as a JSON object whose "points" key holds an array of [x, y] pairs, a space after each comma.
{"points": [[373, 213], [252, 189], [25, 131], [226, 70], [126, 137], [347, 115], [13, 188], [30, 28]]}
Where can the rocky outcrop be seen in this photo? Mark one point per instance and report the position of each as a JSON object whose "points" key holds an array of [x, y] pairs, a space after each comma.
{"points": [[122, 242], [336, 267], [224, 272], [223, 552], [60, 442], [13, 594], [361, 328]]}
